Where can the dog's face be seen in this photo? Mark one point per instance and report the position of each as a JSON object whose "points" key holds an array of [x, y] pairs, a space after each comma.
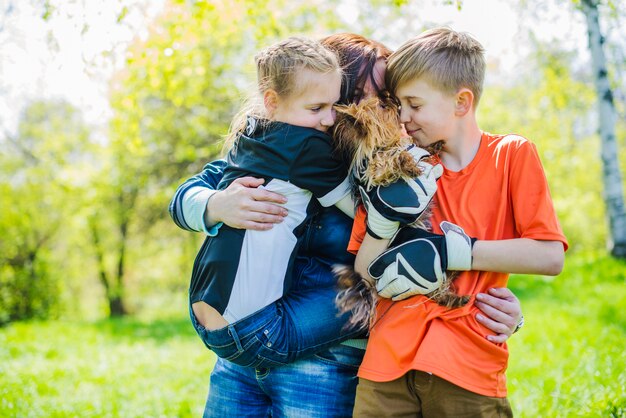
{"points": [[371, 123]]}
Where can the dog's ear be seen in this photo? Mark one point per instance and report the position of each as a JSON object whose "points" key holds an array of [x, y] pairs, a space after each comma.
{"points": [[348, 129]]}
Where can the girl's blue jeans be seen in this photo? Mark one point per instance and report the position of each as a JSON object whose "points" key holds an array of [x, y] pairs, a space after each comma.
{"points": [[298, 325]]}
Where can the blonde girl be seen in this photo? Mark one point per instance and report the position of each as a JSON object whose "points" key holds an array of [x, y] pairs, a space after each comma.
{"points": [[238, 274]]}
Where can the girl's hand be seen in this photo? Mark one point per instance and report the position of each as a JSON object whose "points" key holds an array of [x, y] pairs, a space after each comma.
{"points": [[502, 313], [243, 205]]}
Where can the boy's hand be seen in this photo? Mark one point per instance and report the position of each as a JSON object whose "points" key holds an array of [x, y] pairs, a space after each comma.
{"points": [[411, 268], [458, 247], [416, 261], [402, 202]]}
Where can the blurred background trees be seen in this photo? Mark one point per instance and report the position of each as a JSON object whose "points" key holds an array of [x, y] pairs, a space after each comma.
{"points": [[84, 226]]}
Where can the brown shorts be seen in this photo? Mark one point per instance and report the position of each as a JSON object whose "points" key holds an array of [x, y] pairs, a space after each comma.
{"points": [[421, 394]]}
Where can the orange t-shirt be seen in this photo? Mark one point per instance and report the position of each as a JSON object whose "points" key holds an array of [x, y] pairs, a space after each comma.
{"points": [[501, 194]]}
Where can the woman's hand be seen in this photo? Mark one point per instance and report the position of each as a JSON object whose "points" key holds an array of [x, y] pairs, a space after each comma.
{"points": [[243, 205], [502, 313]]}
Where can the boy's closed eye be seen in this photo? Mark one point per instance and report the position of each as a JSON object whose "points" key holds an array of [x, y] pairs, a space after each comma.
{"points": [[414, 104]]}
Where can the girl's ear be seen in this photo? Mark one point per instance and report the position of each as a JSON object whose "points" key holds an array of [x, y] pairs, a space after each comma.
{"points": [[270, 101], [464, 101]]}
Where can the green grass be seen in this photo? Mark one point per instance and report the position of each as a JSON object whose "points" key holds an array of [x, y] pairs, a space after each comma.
{"points": [[567, 361], [569, 358], [116, 368]]}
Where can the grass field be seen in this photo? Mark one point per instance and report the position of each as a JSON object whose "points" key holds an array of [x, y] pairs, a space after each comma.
{"points": [[567, 361]]}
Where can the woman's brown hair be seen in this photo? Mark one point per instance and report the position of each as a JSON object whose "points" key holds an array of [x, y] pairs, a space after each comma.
{"points": [[357, 56]]}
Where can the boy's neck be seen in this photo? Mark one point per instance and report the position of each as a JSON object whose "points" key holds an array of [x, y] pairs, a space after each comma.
{"points": [[460, 150]]}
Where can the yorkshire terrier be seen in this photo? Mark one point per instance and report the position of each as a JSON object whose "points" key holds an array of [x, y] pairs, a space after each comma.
{"points": [[371, 133]]}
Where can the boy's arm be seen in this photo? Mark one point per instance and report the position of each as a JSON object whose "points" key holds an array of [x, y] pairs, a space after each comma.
{"points": [[520, 255], [500, 310], [346, 205], [541, 245], [369, 250]]}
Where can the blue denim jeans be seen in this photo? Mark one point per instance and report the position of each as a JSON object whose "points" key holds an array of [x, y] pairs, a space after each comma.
{"points": [[296, 326], [320, 385], [323, 385]]}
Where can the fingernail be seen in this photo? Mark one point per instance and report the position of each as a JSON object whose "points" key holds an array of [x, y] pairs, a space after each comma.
{"points": [[480, 296], [479, 316]]}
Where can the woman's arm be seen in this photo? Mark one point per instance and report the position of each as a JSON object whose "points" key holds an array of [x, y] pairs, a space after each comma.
{"points": [[243, 205], [188, 205], [198, 206]]}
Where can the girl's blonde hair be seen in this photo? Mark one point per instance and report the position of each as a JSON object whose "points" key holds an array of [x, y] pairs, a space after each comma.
{"points": [[277, 67]]}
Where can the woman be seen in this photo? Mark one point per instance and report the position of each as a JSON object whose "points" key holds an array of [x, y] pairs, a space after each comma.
{"points": [[324, 384]]}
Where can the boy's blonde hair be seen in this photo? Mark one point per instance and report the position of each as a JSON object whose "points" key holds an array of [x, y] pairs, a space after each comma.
{"points": [[447, 59], [277, 68]]}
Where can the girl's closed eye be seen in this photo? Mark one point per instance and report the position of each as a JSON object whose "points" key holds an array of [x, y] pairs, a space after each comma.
{"points": [[317, 108]]}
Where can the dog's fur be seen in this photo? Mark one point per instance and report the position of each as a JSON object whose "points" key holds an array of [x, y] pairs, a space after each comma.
{"points": [[371, 133]]}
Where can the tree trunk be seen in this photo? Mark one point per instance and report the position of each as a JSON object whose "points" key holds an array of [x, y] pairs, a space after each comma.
{"points": [[116, 307], [113, 292], [117, 302], [612, 177]]}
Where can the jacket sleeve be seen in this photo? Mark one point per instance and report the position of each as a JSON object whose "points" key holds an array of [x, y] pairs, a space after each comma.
{"points": [[188, 205]]}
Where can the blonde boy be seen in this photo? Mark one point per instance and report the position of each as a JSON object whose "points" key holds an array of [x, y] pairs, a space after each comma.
{"points": [[422, 359]]}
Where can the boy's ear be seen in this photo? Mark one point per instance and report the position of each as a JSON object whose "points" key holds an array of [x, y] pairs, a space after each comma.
{"points": [[464, 101], [270, 100]]}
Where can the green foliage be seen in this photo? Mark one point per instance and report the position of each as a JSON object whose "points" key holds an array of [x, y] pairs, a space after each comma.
{"points": [[39, 173], [95, 213], [182, 85], [553, 108]]}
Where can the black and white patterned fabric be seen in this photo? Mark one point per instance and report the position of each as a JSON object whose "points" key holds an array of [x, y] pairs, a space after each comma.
{"points": [[240, 271]]}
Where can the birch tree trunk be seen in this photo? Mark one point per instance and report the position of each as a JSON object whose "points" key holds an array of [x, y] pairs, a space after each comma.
{"points": [[612, 177]]}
